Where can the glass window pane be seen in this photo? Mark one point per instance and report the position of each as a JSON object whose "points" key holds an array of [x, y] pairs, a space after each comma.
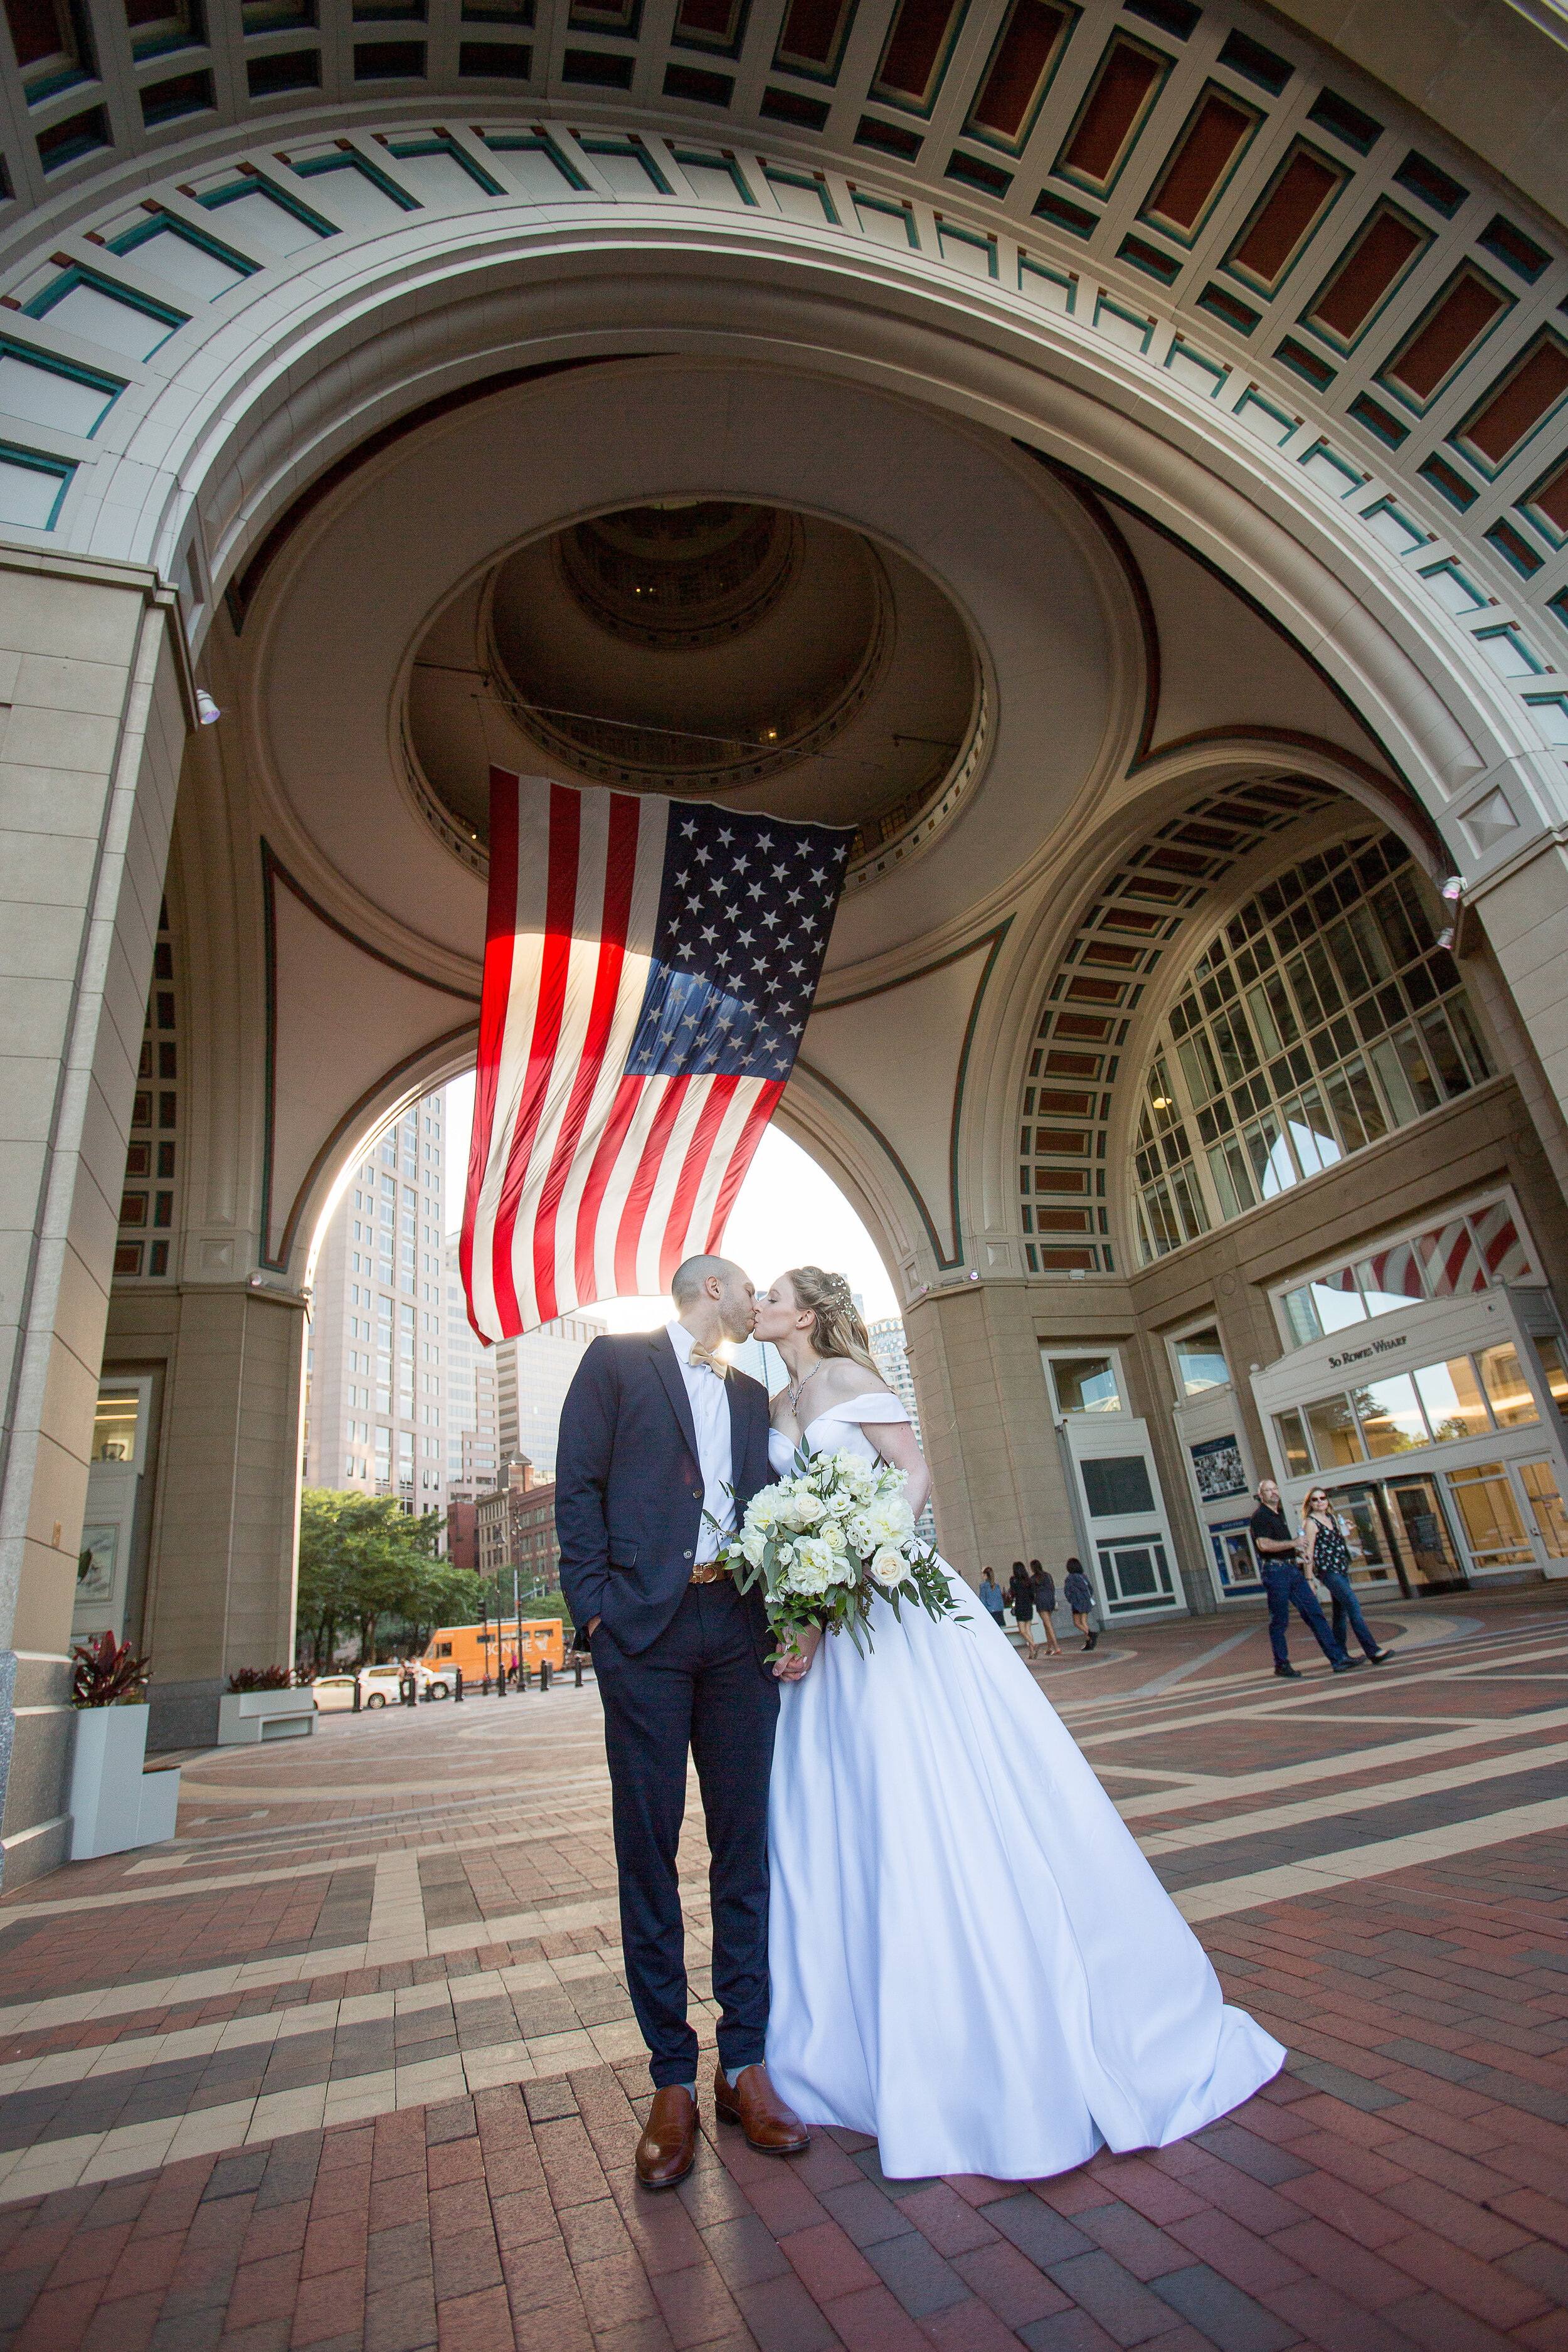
{"points": [[1224, 1184], [1302, 1315], [114, 1428], [1395, 1086], [1369, 940], [1337, 1299], [1507, 1391], [1492, 1523], [1414, 1061], [1322, 973], [1391, 1418], [1469, 1037], [1273, 1169], [1195, 1217], [1198, 1066], [1293, 1444], [1279, 1005], [1443, 1054], [1502, 1250], [1358, 1077], [1556, 1371], [1347, 1115], [1306, 994], [1391, 1279], [1352, 973], [1336, 1439], [1233, 1039], [1086, 1384], [1268, 1036], [1200, 1361], [1450, 1261], [1539, 1482], [1312, 1131], [1235, 1161], [1452, 1396]]}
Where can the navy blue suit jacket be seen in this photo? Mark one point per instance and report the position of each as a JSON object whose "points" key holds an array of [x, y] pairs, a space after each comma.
{"points": [[628, 1486]]}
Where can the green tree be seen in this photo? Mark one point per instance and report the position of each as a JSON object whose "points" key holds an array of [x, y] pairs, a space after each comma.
{"points": [[362, 1558]]}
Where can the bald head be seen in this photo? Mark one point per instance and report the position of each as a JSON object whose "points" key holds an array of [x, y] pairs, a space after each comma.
{"points": [[714, 1298]]}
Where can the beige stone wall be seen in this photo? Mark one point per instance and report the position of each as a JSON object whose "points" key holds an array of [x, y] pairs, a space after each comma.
{"points": [[94, 721]]}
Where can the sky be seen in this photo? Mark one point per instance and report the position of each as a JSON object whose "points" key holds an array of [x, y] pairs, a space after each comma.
{"points": [[788, 1212]]}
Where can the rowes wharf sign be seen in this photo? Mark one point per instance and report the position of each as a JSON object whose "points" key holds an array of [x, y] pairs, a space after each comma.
{"points": [[1360, 1355]]}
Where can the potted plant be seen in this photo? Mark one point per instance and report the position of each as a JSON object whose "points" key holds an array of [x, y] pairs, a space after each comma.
{"points": [[264, 1703], [115, 1804]]}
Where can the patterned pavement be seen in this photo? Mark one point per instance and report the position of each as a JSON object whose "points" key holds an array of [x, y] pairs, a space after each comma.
{"points": [[350, 2064]]}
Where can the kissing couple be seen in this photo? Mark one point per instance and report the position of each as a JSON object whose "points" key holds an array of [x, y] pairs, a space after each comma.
{"points": [[902, 1842]]}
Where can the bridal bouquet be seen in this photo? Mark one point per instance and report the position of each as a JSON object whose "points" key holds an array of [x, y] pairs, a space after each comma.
{"points": [[829, 1540]]}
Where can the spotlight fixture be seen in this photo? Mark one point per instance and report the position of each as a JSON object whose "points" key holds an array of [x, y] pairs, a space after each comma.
{"points": [[208, 710], [1453, 887]]}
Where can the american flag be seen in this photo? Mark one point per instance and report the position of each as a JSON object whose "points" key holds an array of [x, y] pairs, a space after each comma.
{"points": [[649, 967]]}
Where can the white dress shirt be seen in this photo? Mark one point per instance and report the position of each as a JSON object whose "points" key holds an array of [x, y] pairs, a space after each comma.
{"points": [[711, 1418]]}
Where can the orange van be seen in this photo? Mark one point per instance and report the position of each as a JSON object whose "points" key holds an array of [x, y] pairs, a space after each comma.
{"points": [[461, 1645]]}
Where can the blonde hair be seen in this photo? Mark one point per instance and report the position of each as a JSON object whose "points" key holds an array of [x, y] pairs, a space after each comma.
{"points": [[839, 1330]]}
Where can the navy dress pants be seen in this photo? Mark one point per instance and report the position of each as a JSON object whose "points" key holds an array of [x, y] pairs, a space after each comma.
{"points": [[698, 1688], [1286, 1586]]}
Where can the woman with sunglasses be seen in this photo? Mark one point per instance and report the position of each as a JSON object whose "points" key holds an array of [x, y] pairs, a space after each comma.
{"points": [[1326, 1555]]}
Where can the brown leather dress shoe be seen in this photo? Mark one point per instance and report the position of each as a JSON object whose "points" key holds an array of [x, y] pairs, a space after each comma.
{"points": [[667, 2149], [751, 2101]]}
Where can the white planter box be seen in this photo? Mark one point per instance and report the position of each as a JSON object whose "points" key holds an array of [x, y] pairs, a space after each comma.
{"points": [[245, 1715], [106, 1799]]}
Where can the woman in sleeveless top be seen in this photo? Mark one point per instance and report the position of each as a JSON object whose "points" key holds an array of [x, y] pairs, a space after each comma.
{"points": [[1326, 1555], [912, 1892]]}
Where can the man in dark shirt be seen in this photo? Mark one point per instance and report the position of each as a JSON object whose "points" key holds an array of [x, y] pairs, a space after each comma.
{"points": [[1278, 1551]]}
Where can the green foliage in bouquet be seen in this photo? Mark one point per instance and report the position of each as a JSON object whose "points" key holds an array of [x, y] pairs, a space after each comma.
{"points": [[830, 1539]]}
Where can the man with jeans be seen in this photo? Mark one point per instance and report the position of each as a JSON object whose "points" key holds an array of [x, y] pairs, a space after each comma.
{"points": [[1279, 1553]]}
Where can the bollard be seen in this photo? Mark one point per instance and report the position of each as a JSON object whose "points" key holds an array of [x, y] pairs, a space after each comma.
{"points": [[424, 1694], [356, 1694], [577, 1668], [543, 1675], [524, 1683], [457, 1685]]}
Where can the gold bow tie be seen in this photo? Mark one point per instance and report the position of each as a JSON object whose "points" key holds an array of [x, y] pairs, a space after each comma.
{"points": [[700, 1355]]}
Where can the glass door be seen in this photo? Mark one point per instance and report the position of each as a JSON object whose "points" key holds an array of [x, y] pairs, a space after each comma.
{"points": [[1373, 1548], [1538, 1480], [1420, 1529]]}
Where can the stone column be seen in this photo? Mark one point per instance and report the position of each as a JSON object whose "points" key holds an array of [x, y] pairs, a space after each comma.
{"points": [[221, 1586], [95, 704], [985, 1419]]}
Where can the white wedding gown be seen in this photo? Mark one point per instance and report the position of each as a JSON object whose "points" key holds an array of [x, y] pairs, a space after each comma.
{"points": [[971, 1958]]}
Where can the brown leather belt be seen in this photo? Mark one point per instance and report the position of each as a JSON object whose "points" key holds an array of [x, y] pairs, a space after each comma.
{"points": [[709, 1571]]}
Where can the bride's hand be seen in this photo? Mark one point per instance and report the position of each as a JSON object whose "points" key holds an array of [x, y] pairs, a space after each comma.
{"points": [[794, 1658]]}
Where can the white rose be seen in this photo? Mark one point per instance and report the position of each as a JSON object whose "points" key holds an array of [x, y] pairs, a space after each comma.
{"points": [[762, 1511], [888, 1567], [808, 1509], [754, 1543], [788, 1511]]}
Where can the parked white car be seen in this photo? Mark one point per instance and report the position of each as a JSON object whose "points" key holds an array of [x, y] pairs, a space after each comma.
{"points": [[377, 1686]]}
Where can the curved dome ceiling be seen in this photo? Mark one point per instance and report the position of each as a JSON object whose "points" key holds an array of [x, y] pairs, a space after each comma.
{"points": [[708, 649]]}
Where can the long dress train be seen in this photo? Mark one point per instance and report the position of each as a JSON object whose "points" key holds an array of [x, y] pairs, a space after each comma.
{"points": [[971, 1958]]}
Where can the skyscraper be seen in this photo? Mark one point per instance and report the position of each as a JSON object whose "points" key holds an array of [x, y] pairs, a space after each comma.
{"points": [[375, 1413], [504, 1403]]}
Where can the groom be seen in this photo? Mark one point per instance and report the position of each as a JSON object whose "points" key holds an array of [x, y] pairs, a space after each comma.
{"points": [[661, 1445]]}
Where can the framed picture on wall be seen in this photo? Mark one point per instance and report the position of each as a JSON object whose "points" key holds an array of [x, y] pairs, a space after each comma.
{"points": [[1219, 1469], [95, 1567], [1232, 1540]]}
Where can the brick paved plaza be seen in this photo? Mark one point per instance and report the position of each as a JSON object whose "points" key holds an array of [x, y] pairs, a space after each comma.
{"points": [[352, 2064]]}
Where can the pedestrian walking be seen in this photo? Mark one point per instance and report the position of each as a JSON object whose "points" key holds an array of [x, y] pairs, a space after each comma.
{"points": [[1021, 1593], [1079, 1594], [991, 1598], [1045, 1586], [1279, 1553], [1326, 1555]]}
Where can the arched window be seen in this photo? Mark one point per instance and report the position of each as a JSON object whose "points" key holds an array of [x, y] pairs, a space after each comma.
{"points": [[1324, 1015]]}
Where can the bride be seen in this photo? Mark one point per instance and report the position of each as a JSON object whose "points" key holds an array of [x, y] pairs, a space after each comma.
{"points": [[938, 1845]]}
